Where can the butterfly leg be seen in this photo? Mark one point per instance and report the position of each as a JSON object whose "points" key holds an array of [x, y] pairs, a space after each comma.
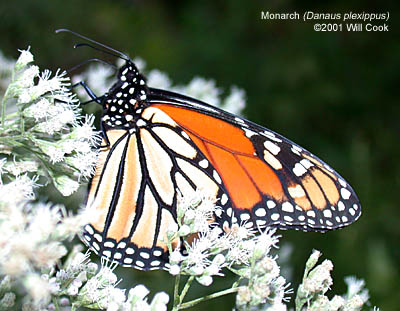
{"points": [[94, 97], [98, 100], [103, 131]]}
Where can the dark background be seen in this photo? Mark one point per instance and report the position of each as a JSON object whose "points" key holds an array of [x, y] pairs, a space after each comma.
{"points": [[333, 93]]}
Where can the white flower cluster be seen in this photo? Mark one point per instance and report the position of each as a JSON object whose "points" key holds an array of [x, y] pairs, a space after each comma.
{"points": [[91, 287], [78, 283], [46, 136], [317, 281], [207, 250], [265, 287], [32, 236], [42, 134]]}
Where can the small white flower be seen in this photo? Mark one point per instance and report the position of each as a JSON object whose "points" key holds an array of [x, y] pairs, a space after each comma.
{"points": [[116, 295], [197, 269], [264, 242], [201, 89], [113, 306], [73, 290], [189, 217], [25, 185], [66, 117], [81, 146], [243, 296], [197, 256], [37, 287], [158, 79], [354, 286], [38, 110], [107, 276], [51, 126], [8, 300], [269, 267], [213, 269], [236, 101], [174, 270], [84, 162], [184, 230], [312, 261], [172, 229], [139, 291], [175, 257], [66, 185], [27, 78], [86, 131], [160, 301], [240, 232], [355, 303], [56, 154], [47, 84], [205, 280], [319, 279], [238, 255], [219, 259], [279, 306], [19, 167], [45, 219], [140, 63], [336, 303], [24, 59]]}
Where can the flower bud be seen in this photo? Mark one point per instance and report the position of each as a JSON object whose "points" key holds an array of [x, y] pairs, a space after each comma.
{"points": [[205, 280], [140, 291], [160, 301], [8, 300], [174, 270], [312, 261], [184, 230], [24, 59]]}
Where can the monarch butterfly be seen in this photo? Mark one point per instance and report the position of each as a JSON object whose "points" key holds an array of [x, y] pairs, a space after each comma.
{"points": [[157, 144]]}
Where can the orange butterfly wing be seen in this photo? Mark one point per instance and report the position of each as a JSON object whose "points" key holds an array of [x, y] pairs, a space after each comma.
{"points": [[270, 180]]}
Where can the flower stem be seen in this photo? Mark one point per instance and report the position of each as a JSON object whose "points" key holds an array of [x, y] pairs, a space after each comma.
{"points": [[179, 298], [185, 289], [3, 107], [208, 297], [176, 290], [55, 302]]}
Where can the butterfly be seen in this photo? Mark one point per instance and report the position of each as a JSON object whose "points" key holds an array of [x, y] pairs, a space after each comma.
{"points": [[158, 144]]}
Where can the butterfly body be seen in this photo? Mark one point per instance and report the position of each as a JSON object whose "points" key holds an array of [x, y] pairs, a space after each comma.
{"points": [[159, 145]]}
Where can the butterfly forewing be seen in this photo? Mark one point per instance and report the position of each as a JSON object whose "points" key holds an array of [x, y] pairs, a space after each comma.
{"points": [[271, 180]]}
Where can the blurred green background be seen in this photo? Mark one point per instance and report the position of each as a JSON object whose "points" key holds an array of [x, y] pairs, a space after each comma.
{"points": [[336, 94]]}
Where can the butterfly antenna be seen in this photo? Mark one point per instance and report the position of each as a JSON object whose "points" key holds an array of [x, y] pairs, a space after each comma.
{"points": [[97, 49], [91, 60], [118, 53]]}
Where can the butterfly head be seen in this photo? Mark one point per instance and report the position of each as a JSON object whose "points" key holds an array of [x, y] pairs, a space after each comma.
{"points": [[126, 98]]}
